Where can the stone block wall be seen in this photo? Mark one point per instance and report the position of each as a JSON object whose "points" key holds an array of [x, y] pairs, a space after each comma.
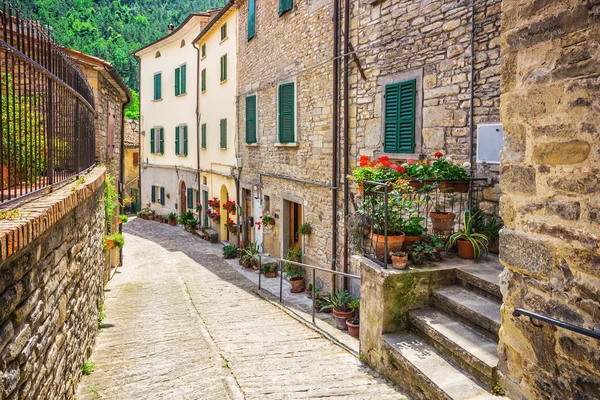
{"points": [[50, 289], [549, 177]]}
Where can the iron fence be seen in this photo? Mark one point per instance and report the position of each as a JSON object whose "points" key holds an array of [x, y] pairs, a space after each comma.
{"points": [[48, 115], [387, 210]]}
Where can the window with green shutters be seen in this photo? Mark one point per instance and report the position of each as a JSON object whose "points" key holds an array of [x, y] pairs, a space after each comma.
{"points": [[205, 204], [157, 141], [284, 6], [204, 50], [153, 194], [157, 86], [224, 68], [224, 133], [190, 199], [180, 80], [203, 139], [399, 117], [203, 80], [286, 109], [181, 140], [224, 31], [251, 18], [162, 195], [177, 82], [250, 119], [158, 194]]}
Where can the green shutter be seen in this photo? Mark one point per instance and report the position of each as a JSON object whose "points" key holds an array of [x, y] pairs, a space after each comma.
{"points": [[399, 124], [177, 82], [162, 195], [183, 79], [157, 86], [185, 141], [205, 203], [285, 5], [223, 31], [152, 140], [203, 80], [204, 50], [286, 113], [162, 141], [153, 195], [251, 18], [190, 198], [251, 119], [224, 68], [224, 133], [177, 140], [204, 136]]}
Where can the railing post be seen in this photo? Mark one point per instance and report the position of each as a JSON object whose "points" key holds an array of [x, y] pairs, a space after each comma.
{"points": [[50, 132], [313, 295], [259, 270], [77, 138], [280, 283]]}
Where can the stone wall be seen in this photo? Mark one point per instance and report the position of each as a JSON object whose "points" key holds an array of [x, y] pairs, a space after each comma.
{"points": [[549, 177], [50, 290]]}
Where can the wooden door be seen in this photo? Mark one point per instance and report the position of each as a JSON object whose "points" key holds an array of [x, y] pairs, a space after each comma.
{"points": [[183, 198], [295, 221], [247, 214]]}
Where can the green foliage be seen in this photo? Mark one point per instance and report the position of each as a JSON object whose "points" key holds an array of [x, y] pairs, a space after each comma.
{"points": [[305, 228], [133, 109], [171, 216], [249, 255], [88, 367], [111, 199], [478, 240], [291, 270], [101, 315], [116, 237], [185, 217], [230, 251], [124, 218], [422, 249], [341, 301]]}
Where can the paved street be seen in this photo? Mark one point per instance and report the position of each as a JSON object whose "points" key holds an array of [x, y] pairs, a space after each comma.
{"points": [[182, 324]]}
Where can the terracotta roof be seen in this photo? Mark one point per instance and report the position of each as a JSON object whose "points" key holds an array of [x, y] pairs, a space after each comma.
{"points": [[132, 137]]}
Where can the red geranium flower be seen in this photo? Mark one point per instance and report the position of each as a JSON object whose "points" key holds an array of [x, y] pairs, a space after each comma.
{"points": [[364, 161], [372, 164], [410, 161], [399, 168], [437, 154], [383, 159]]}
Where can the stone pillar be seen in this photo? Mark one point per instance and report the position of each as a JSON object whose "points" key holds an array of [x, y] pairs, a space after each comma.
{"points": [[550, 179]]}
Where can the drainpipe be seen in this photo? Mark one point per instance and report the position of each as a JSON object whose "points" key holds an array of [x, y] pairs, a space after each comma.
{"points": [[198, 139], [140, 160], [346, 132], [472, 96], [335, 127]]}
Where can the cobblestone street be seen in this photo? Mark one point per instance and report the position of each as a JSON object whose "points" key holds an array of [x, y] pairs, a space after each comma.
{"points": [[182, 324]]}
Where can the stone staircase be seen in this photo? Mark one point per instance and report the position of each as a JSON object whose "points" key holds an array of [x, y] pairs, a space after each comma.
{"points": [[451, 348]]}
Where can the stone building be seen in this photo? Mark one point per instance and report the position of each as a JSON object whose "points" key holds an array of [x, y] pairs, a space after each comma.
{"points": [[131, 163], [550, 184]]}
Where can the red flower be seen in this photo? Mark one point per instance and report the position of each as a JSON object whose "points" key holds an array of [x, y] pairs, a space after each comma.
{"points": [[399, 168], [372, 164], [410, 161], [427, 162], [437, 154], [383, 159], [385, 163], [364, 161], [393, 166]]}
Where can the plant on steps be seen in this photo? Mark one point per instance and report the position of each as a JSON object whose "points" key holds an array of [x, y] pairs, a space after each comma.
{"points": [[185, 216], [172, 218], [294, 273], [230, 251], [470, 244], [343, 306]]}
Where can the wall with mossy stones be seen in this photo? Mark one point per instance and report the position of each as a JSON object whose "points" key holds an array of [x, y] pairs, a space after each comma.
{"points": [[550, 205], [51, 266]]}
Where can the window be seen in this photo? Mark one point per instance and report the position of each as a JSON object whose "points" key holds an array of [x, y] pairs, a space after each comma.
{"points": [[250, 119], [157, 86], [203, 136], [204, 50], [203, 86], [224, 68], [251, 18], [181, 140], [399, 115], [224, 31], [286, 113], [157, 141], [224, 133], [180, 80], [136, 159], [190, 199], [158, 194], [284, 6], [205, 203]]}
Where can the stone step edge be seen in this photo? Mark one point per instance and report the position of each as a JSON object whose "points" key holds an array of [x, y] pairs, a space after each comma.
{"points": [[480, 283]]}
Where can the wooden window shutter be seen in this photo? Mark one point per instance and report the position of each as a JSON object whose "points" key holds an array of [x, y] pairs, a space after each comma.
{"points": [[223, 31], [251, 119], [224, 68], [162, 195], [177, 82], [286, 113], [204, 50], [185, 140], [251, 18], [204, 136], [152, 141], [183, 79], [177, 140], [190, 198], [399, 124], [224, 133], [153, 195], [157, 86], [203, 80], [285, 5], [162, 141], [136, 159]]}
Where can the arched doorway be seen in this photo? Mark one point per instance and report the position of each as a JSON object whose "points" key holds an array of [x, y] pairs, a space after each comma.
{"points": [[224, 196], [182, 197]]}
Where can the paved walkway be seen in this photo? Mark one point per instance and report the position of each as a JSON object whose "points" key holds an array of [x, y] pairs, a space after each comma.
{"points": [[182, 324]]}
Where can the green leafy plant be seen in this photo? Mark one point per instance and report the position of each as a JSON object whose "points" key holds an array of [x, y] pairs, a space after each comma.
{"points": [[185, 216], [88, 367], [294, 254], [101, 315], [305, 228], [266, 219], [111, 199], [117, 238], [354, 304], [421, 249], [268, 268], [124, 218], [434, 241], [478, 240], [230, 251], [171, 217], [249, 256], [340, 301], [192, 223]]}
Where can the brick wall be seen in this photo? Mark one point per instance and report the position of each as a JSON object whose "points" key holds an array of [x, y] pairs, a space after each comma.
{"points": [[549, 177]]}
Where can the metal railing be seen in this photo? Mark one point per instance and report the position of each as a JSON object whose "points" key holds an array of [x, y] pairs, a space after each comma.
{"points": [[281, 261], [582, 331], [385, 209], [48, 115]]}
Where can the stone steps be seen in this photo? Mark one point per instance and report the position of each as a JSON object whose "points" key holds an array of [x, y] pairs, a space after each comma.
{"points": [[483, 279], [472, 307], [470, 349], [427, 374]]}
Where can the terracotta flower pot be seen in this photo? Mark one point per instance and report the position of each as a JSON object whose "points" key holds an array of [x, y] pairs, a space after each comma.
{"points": [[409, 241], [341, 317], [361, 189], [110, 243], [438, 253], [394, 243], [465, 249], [442, 221], [270, 274], [458, 186], [172, 223], [297, 284], [353, 328], [272, 222], [416, 184], [120, 221], [399, 262], [150, 217]]}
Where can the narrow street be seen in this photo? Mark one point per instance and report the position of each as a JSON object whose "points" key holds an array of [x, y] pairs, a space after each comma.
{"points": [[182, 324]]}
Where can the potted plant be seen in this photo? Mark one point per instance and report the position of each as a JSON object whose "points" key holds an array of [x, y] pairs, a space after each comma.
{"points": [[267, 220], [269, 270], [339, 303], [231, 226], [123, 219], [229, 206], [305, 228], [214, 203], [452, 177], [470, 244], [309, 290], [230, 251], [442, 220], [150, 215], [436, 243], [191, 225], [114, 240], [353, 327], [421, 250], [413, 229], [380, 170], [185, 217], [249, 257], [172, 218], [294, 273], [399, 259]]}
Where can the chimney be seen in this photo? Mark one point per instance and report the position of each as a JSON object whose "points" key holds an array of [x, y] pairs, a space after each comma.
{"points": [[171, 28]]}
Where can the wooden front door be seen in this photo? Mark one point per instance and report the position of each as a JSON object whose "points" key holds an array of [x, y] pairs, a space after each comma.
{"points": [[182, 196], [247, 214], [295, 221]]}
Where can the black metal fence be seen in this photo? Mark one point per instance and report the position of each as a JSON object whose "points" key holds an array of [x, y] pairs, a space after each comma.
{"points": [[387, 209], [47, 125]]}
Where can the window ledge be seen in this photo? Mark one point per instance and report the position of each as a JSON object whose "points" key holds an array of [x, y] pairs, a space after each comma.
{"points": [[401, 156], [224, 82], [252, 144], [224, 40], [181, 94], [157, 100], [294, 144], [203, 58], [222, 148]]}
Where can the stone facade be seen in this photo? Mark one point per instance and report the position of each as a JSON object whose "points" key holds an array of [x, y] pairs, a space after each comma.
{"points": [[131, 163], [50, 290], [549, 178]]}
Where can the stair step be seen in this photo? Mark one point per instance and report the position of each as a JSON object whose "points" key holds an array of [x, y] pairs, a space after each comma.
{"points": [[466, 345], [432, 374], [477, 309], [485, 277]]}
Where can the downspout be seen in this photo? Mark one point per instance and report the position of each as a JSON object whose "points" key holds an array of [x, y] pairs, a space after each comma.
{"points": [[346, 132], [198, 139], [140, 159], [471, 98], [335, 127]]}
